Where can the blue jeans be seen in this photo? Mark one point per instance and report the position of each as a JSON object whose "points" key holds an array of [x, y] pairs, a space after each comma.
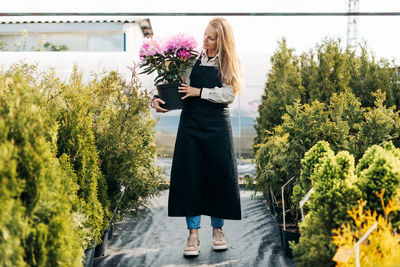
{"points": [[194, 222]]}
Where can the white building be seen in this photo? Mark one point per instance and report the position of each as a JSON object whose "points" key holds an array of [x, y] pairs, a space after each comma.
{"points": [[110, 43], [93, 43]]}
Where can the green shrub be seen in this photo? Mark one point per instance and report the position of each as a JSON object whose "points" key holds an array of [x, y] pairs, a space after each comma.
{"points": [[380, 124], [282, 88], [67, 147], [330, 72], [328, 93], [369, 74], [305, 125], [335, 191], [315, 246], [343, 123], [312, 158], [270, 162], [350, 101], [37, 226], [12, 223], [118, 122], [125, 132], [71, 103], [338, 186], [379, 169]]}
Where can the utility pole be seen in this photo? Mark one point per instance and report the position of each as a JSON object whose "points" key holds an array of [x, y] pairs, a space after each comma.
{"points": [[353, 6]]}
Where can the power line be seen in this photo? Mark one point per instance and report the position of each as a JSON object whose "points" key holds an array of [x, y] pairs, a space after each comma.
{"points": [[255, 14]]}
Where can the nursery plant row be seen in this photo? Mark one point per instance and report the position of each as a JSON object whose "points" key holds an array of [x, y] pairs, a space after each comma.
{"points": [[327, 154], [76, 156]]}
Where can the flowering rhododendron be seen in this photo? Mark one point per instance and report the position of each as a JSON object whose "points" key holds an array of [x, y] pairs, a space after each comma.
{"points": [[170, 57], [151, 47], [179, 41], [183, 54]]}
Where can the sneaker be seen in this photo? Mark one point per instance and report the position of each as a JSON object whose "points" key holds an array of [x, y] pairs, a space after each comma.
{"points": [[219, 239], [192, 247]]}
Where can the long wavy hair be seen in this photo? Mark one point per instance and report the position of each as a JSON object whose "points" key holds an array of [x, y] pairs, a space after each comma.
{"points": [[229, 64]]}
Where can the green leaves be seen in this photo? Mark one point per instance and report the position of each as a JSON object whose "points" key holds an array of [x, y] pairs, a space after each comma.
{"points": [[337, 188], [378, 169], [124, 133], [282, 88], [327, 100], [170, 68], [36, 215], [66, 148], [334, 182]]}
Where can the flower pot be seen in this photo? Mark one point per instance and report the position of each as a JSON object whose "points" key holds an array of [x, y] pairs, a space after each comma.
{"points": [[89, 257], [101, 249], [290, 234], [277, 210], [169, 93], [280, 229]]}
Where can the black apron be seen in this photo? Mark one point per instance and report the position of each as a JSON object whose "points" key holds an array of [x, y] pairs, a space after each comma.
{"points": [[204, 177]]}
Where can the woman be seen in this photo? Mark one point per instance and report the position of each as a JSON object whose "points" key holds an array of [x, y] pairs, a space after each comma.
{"points": [[204, 178]]}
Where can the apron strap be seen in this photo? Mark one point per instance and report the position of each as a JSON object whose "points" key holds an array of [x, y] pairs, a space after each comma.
{"points": [[197, 63]]}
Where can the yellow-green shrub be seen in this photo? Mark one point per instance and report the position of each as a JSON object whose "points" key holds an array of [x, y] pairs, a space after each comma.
{"points": [[36, 225], [124, 132], [383, 245], [335, 191]]}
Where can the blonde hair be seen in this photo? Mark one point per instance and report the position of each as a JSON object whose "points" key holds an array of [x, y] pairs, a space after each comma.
{"points": [[229, 64]]}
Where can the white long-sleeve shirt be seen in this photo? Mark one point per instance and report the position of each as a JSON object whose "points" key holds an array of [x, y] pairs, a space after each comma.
{"points": [[224, 94]]}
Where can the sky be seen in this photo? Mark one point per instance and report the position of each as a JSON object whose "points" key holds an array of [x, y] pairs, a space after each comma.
{"points": [[252, 34], [256, 37]]}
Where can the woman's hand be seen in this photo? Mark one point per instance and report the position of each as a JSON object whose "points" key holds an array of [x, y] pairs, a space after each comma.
{"points": [[188, 90], [156, 104]]}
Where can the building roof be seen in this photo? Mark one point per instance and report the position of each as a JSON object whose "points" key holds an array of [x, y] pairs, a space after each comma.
{"points": [[144, 23]]}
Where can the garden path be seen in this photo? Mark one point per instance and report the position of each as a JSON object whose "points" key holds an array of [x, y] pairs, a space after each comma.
{"points": [[154, 239]]}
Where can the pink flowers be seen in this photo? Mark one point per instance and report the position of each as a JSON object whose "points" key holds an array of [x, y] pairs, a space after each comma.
{"points": [[151, 47], [168, 57], [183, 54], [179, 43]]}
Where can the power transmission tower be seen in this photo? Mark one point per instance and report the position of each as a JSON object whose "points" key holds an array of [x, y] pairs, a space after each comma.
{"points": [[352, 6]]}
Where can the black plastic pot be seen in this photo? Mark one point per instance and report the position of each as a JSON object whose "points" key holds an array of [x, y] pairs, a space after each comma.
{"points": [[169, 93], [277, 210], [289, 235], [89, 259], [280, 229], [101, 249]]}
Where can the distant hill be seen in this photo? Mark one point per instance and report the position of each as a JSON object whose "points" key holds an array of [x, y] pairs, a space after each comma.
{"points": [[169, 124]]}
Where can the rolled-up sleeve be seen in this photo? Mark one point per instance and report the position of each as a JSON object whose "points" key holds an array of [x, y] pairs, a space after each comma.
{"points": [[187, 74], [153, 91], [224, 94]]}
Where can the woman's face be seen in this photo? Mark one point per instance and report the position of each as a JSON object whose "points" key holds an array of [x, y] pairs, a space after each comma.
{"points": [[210, 38]]}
